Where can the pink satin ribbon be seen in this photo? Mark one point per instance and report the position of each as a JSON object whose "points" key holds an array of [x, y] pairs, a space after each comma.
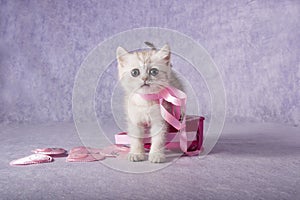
{"points": [[177, 98]]}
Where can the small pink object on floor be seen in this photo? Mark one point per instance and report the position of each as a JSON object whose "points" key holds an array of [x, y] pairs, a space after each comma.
{"points": [[50, 151], [84, 154], [87, 154], [32, 159], [84, 157]]}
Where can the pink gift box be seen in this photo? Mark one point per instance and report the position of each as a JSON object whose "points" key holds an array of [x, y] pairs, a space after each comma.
{"points": [[194, 132]]}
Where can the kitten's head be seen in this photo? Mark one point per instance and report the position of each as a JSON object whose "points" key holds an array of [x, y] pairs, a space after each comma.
{"points": [[146, 71]]}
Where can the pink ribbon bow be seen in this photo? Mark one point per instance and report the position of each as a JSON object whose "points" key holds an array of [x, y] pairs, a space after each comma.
{"points": [[177, 98]]}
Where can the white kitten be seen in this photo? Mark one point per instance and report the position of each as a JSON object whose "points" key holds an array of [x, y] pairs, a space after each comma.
{"points": [[144, 72]]}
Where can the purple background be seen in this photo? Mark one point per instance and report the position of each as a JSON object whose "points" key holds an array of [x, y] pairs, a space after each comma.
{"points": [[255, 44]]}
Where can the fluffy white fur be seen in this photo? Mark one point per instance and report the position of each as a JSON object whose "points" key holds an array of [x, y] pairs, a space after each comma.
{"points": [[144, 116]]}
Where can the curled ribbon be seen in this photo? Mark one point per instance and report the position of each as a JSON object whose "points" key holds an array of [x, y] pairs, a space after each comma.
{"points": [[177, 98]]}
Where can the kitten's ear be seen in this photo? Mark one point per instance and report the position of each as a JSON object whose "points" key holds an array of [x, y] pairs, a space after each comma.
{"points": [[164, 53], [121, 52]]}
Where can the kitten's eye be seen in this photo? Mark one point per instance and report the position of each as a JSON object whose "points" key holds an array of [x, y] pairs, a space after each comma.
{"points": [[154, 71], [135, 72]]}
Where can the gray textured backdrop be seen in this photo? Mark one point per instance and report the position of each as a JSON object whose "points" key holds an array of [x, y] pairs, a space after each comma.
{"points": [[254, 43]]}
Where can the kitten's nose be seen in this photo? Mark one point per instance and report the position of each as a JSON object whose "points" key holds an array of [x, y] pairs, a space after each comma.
{"points": [[145, 78]]}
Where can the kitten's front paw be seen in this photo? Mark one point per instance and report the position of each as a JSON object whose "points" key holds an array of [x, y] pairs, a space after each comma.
{"points": [[135, 157], [157, 157]]}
